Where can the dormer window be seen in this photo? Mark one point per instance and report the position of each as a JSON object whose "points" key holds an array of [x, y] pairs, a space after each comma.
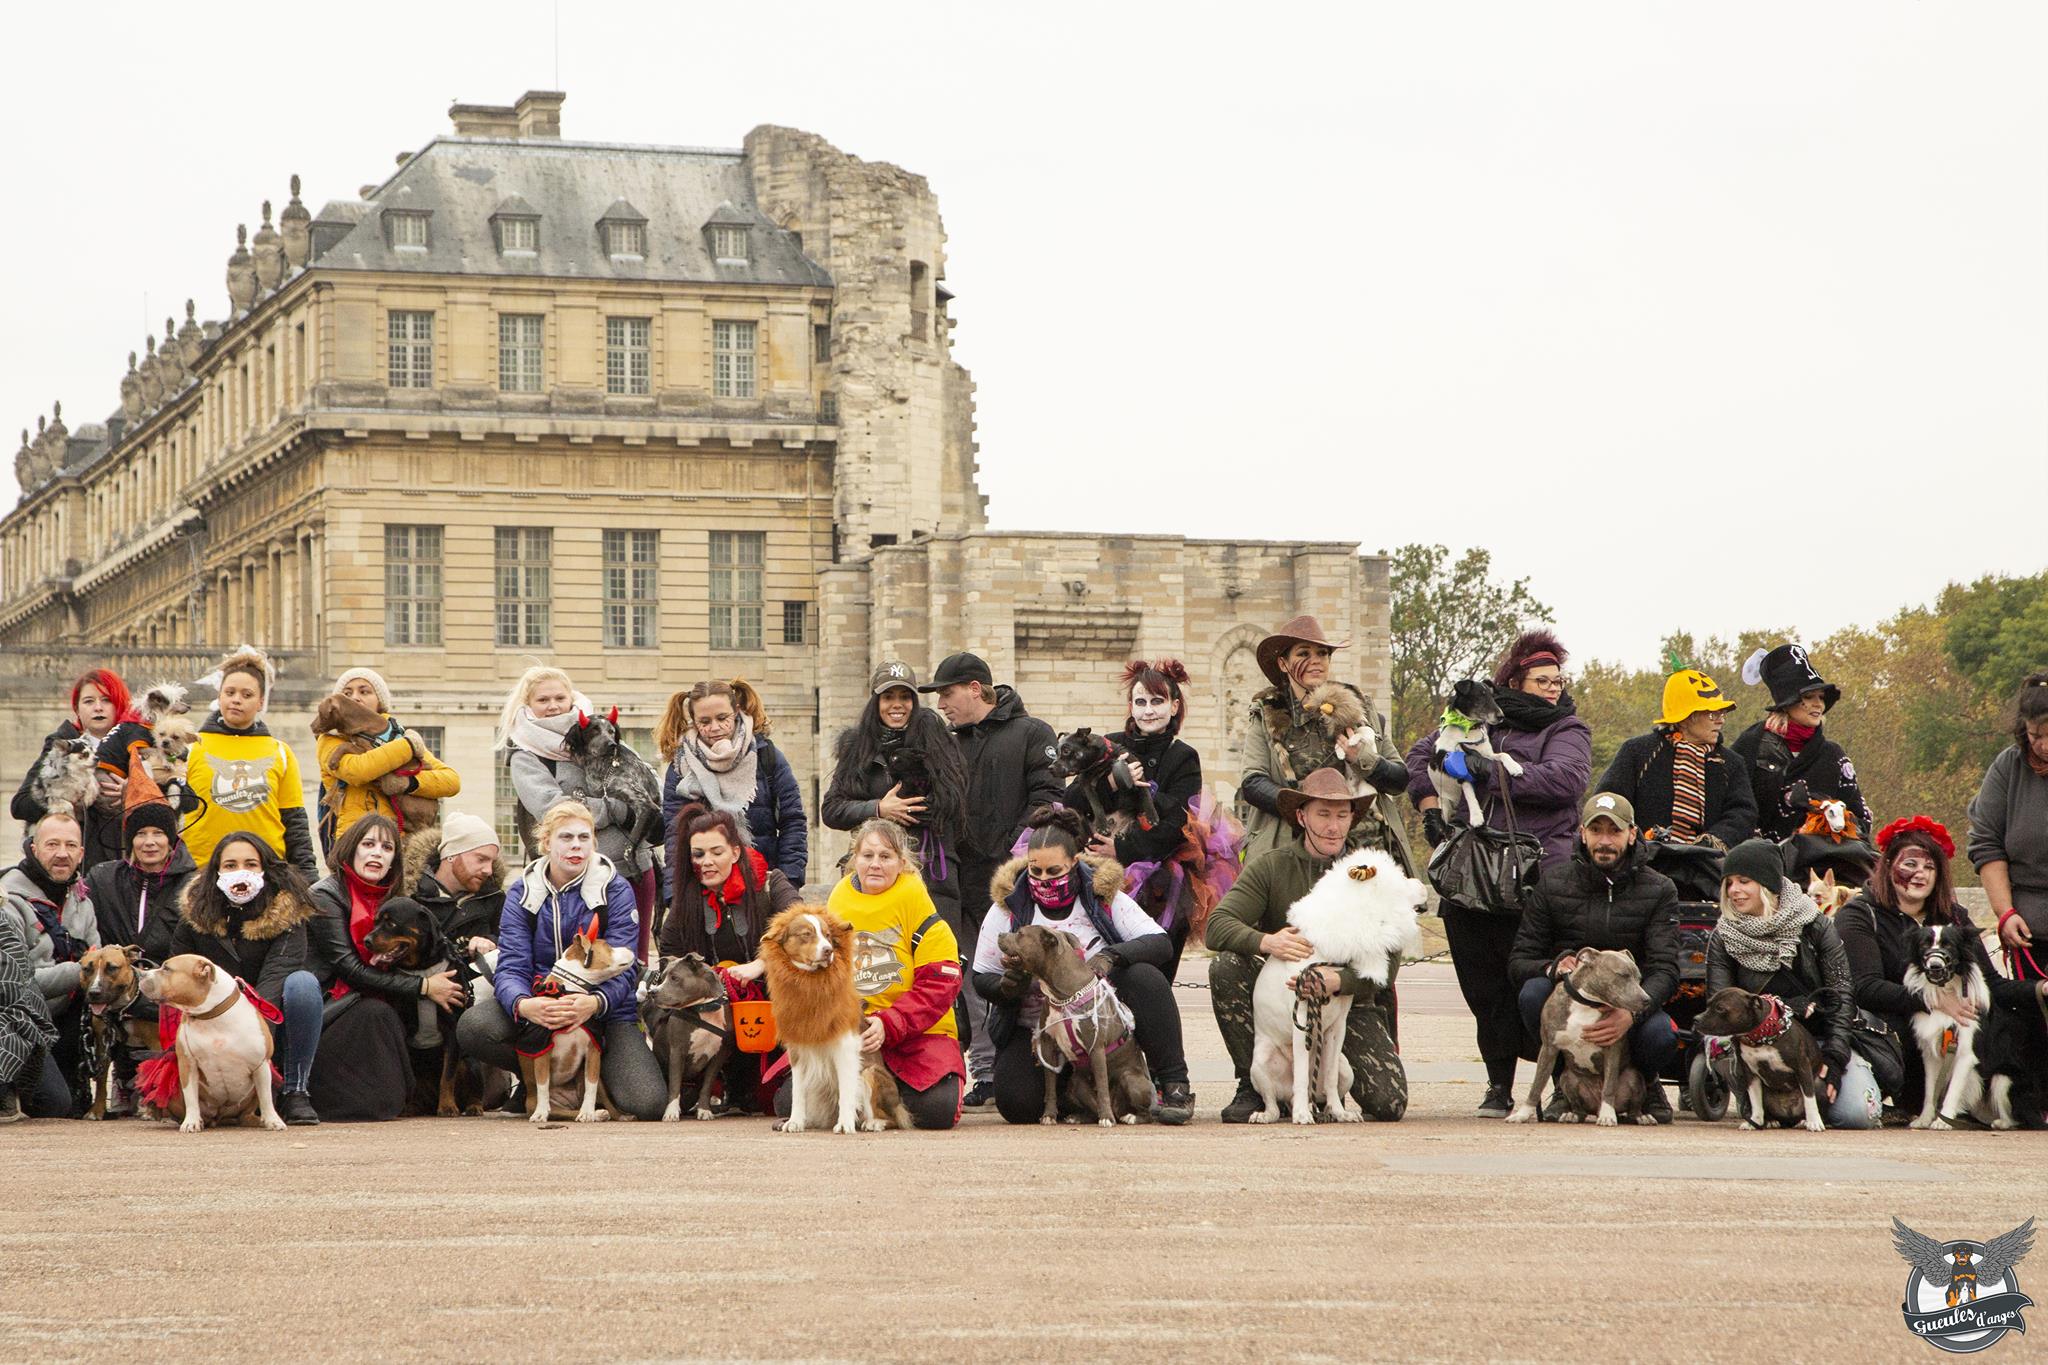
{"points": [[519, 234], [623, 231], [407, 229], [625, 239], [729, 244]]}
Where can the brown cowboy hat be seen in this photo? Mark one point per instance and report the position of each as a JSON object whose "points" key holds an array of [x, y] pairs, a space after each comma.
{"points": [[1324, 784], [1301, 630]]}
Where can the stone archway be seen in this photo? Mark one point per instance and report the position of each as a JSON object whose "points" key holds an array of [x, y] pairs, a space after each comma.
{"points": [[1235, 680]]}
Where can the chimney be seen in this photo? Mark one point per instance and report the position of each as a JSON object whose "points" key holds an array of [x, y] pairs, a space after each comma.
{"points": [[540, 113], [484, 120]]}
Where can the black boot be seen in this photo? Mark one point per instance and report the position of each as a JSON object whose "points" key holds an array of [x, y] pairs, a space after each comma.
{"points": [[1175, 1105], [10, 1107], [1243, 1105], [1499, 1100], [295, 1107], [1656, 1103]]}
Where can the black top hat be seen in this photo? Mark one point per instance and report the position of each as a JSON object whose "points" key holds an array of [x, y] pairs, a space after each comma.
{"points": [[1790, 675]]}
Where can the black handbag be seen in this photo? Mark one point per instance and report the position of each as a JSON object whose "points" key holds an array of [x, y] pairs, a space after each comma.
{"points": [[1486, 869]]}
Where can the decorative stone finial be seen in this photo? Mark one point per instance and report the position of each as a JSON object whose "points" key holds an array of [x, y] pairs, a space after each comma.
{"points": [[241, 236], [149, 344], [295, 185], [241, 273], [266, 213], [150, 375], [268, 251], [169, 363], [295, 225], [192, 312]]}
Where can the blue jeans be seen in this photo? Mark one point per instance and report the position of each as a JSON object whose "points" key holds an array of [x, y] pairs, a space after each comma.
{"points": [[1858, 1103], [1652, 1044], [301, 1005]]}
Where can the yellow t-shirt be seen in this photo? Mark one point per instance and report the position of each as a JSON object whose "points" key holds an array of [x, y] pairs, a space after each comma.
{"points": [[894, 933], [244, 782]]}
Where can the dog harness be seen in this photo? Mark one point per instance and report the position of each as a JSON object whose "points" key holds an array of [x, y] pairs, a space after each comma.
{"points": [[1063, 1019], [1773, 1024]]}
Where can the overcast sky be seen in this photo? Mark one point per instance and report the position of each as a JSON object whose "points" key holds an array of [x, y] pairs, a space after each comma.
{"points": [[1702, 316]]}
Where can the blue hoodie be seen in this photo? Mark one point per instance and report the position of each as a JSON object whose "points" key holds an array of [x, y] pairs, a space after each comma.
{"points": [[538, 921]]}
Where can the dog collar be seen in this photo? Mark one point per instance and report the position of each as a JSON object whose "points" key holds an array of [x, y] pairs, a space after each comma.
{"points": [[1773, 1023], [1575, 993]]}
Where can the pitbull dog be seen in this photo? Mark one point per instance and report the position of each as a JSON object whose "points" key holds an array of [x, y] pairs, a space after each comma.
{"points": [[1777, 1063], [107, 983], [1085, 1024], [223, 1046], [689, 1028], [1594, 1079]]}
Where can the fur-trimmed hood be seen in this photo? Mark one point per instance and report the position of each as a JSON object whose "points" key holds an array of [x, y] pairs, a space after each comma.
{"points": [[284, 913], [1106, 875]]}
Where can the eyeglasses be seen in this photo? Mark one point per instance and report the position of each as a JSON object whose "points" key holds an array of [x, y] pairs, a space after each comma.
{"points": [[1548, 684]]}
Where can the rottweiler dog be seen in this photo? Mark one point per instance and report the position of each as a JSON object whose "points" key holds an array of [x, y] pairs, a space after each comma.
{"points": [[1116, 799], [407, 937]]}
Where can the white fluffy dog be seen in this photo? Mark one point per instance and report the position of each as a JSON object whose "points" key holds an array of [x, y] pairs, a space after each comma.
{"points": [[1360, 913]]}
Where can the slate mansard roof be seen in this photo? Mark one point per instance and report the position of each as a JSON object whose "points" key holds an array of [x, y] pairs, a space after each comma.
{"points": [[460, 182]]}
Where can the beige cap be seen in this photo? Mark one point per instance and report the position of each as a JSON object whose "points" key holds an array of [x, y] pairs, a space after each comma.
{"points": [[463, 833]]}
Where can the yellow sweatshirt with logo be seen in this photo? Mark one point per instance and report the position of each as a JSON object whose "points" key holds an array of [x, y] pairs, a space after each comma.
{"points": [[245, 780], [885, 965]]}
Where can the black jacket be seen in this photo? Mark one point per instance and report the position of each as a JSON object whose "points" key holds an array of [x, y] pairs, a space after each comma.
{"points": [[1174, 770], [854, 798], [262, 949], [1008, 756], [1641, 771], [1774, 768], [334, 955], [117, 888], [1576, 905], [1874, 939], [473, 915], [1818, 973]]}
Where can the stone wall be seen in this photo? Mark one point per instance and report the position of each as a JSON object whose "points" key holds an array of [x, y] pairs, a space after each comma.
{"points": [[1058, 615]]}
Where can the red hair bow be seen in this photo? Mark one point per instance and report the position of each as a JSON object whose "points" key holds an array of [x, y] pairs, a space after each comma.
{"points": [[1918, 824]]}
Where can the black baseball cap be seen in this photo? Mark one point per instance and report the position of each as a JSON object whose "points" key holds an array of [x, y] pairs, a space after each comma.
{"points": [[960, 668]]}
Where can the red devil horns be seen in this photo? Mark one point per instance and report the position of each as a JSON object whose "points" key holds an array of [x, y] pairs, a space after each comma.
{"points": [[613, 717], [582, 720]]}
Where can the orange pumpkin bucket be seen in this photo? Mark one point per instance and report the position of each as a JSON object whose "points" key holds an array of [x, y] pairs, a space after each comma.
{"points": [[753, 1025]]}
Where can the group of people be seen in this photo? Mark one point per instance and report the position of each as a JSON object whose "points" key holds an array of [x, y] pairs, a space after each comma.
{"points": [[961, 831]]}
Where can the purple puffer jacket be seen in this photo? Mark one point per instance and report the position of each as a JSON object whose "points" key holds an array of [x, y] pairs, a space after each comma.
{"points": [[1557, 763]]}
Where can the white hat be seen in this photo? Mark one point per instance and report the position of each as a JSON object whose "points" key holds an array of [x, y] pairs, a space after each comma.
{"points": [[463, 833]]}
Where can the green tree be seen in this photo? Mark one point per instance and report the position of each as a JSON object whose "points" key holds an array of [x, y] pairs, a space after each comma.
{"points": [[1997, 631], [1451, 620]]}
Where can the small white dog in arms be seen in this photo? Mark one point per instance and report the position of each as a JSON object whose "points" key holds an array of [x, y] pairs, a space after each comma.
{"points": [[1465, 751], [1358, 915]]}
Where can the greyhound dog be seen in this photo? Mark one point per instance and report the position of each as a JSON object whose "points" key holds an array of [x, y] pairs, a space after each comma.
{"points": [[1084, 1024], [1594, 1079], [1464, 751]]}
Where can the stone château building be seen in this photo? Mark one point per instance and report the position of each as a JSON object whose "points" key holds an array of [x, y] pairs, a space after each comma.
{"points": [[653, 414]]}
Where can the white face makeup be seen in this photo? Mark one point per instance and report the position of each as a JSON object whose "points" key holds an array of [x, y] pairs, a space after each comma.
{"points": [[373, 856], [1150, 712]]}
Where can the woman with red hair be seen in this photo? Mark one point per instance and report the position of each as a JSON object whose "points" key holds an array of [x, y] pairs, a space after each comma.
{"points": [[99, 702], [1910, 888]]}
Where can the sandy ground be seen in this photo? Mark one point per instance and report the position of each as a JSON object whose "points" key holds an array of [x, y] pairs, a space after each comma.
{"points": [[1440, 1238]]}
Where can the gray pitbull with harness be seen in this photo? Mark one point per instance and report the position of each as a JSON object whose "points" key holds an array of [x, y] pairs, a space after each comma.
{"points": [[1085, 1024], [1594, 1080], [689, 1031]]}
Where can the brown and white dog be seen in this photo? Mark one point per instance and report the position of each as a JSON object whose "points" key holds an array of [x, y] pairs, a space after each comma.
{"points": [[223, 1048], [808, 952], [588, 962], [108, 985], [1827, 893]]}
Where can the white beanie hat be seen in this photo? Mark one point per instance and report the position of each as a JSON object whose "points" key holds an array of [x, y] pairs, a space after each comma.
{"points": [[463, 833], [376, 682]]}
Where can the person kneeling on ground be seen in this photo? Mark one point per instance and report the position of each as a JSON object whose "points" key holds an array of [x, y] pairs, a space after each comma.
{"points": [[1773, 940], [1607, 897], [1055, 885], [1250, 924], [906, 966]]}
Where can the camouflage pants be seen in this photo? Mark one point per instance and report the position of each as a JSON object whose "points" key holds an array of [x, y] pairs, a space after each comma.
{"points": [[1378, 1084]]}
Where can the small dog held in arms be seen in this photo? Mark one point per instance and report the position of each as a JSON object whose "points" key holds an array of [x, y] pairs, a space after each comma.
{"points": [[611, 769], [1595, 1080], [1979, 1067], [1464, 751], [363, 730], [1777, 1063], [1116, 799], [1361, 915], [808, 953], [585, 964], [172, 733], [66, 776], [1083, 1024], [1827, 893]]}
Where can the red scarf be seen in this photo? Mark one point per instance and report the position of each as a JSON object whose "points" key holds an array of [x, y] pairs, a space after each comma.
{"points": [[1796, 735], [734, 888], [363, 900]]}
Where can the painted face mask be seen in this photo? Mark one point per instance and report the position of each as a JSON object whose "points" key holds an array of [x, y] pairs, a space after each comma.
{"points": [[1149, 713], [240, 886], [1056, 894]]}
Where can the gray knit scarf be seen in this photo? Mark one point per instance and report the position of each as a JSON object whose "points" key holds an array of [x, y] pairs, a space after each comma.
{"points": [[1764, 943]]}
